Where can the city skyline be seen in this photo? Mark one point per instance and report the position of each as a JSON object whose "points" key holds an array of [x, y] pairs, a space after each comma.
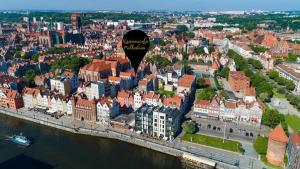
{"points": [[175, 5]]}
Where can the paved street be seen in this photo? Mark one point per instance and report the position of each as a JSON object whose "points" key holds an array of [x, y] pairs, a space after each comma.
{"points": [[283, 106]]}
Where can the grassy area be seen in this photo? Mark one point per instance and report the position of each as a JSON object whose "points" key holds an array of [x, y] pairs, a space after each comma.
{"points": [[161, 91], [264, 159], [293, 121], [214, 142], [277, 94]]}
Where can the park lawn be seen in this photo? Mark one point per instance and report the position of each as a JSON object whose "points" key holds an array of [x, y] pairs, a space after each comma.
{"points": [[163, 92], [213, 142], [277, 94], [293, 121]]}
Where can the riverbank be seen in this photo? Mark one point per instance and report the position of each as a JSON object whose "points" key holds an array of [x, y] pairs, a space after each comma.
{"points": [[104, 133], [175, 148]]}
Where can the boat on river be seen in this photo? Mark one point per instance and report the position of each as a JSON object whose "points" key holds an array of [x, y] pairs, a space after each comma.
{"points": [[20, 139]]}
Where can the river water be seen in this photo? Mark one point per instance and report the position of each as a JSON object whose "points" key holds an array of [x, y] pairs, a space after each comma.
{"points": [[56, 149]]}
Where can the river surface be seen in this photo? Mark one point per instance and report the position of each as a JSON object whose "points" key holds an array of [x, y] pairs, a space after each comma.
{"points": [[56, 149]]}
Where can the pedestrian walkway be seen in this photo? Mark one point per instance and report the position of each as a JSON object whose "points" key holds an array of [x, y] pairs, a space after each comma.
{"points": [[224, 159], [249, 150]]}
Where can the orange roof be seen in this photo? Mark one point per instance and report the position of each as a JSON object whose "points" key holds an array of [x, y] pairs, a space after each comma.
{"points": [[207, 81], [295, 137], [238, 75], [250, 91], [152, 95], [75, 15], [32, 91], [297, 46], [278, 134], [84, 102], [123, 94], [11, 94], [230, 104], [170, 101], [215, 65], [97, 66], [202, 103], [186, 80]]}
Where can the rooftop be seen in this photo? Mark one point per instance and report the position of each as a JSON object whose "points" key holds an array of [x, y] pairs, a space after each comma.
{"points": [[278, 134]]}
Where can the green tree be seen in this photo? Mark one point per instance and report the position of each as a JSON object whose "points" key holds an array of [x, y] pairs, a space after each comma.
{"points": [[258, 49], [224, 72], [290, 85], [189, 35], [74, 63], [264, 97], [30, 75], [255, 63], [181, 28], [188, 127], [157, 59], [205, 94], [35, 57], [211, 49], [272, 74], [25, 56], [277, 61], [291, 58], [201, 82], [199, 51], [272, 117], [18, 54]]}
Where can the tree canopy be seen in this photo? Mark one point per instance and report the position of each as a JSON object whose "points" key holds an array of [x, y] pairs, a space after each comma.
{"points": [[205, 94], [157, 59], [225, 72], [74, 63], [272, 117], [189, 127]]}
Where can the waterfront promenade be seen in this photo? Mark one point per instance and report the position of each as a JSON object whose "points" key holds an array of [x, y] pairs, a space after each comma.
{"points": [[224, 159]]}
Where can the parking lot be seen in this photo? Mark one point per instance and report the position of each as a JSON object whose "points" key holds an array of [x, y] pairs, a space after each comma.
{"points": [[232, 130], [46, 111]]}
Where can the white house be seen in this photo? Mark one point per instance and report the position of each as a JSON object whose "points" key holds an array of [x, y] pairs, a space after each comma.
{"points": [[138, 100], [106, 110]]}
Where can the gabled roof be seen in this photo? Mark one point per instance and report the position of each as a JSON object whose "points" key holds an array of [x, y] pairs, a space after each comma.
{"points": [[278, 134], [295, 138]]}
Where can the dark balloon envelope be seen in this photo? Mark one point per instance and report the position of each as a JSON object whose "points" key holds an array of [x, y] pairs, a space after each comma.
{"points": [[135, 44]]}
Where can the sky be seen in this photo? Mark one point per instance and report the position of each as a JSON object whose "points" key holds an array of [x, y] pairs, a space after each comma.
{"points": [[130, 5]]}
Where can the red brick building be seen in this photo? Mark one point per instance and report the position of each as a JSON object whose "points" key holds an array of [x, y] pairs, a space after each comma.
{"points": [[238, 81], [85, 110], [11, 99], [276, 146], [95, 71]]}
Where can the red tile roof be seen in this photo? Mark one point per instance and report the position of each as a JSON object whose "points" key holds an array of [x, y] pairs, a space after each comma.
{"points": [[238, 75], [173, 101], [186, 80], [97, 66], [202, 103], [278, 134], [295, 138], [250, 91], [230, 104]]}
